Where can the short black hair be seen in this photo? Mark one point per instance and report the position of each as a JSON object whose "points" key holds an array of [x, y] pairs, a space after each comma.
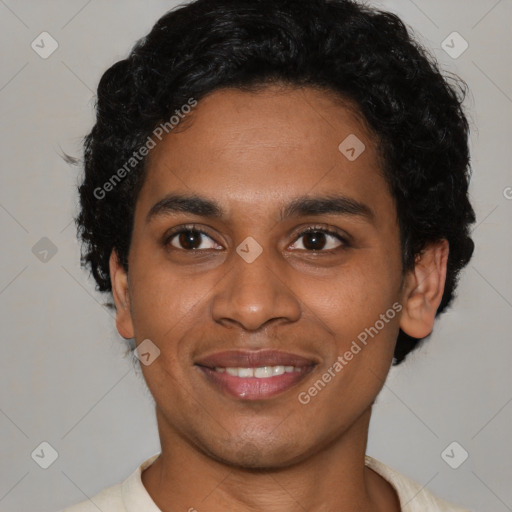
{"points": [[364, 55]]}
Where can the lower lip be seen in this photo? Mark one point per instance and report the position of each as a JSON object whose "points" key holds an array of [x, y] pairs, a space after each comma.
{"points": [[252, 388]]}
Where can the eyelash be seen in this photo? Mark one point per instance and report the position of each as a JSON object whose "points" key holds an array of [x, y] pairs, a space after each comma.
{"points": [[311, 229]]}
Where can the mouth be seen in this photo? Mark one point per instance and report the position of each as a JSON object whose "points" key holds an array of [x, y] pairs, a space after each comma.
{"points": [[255, 375]]}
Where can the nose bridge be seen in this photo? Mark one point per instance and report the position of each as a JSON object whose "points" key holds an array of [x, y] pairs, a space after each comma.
{"points": [[254, 292]]}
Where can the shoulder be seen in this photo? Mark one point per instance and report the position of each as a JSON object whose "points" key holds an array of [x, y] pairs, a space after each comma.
{"points": [[413, 497], [127, 496]]}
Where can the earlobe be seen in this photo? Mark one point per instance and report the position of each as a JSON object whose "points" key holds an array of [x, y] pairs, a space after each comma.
{"points": [[120, 292], [424, 290]]}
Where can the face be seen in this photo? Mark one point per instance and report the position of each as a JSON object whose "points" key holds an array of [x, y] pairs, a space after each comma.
{"points": [[258, 242]]}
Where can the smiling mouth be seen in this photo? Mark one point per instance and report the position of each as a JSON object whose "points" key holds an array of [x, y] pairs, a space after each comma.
{"points": [[255, 375], [262, 372], [244, 383]]}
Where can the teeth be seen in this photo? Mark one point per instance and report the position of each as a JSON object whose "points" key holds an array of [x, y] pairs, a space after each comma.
{"points": [[276, 370], [268, 371], [245, 372], [262, 372]]}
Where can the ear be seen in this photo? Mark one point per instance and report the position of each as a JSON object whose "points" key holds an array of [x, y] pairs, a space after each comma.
{"points": [[120, 291], [424, 289]]}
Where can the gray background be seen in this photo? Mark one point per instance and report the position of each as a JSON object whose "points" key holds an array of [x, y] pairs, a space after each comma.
{"points": [[64, 378]]}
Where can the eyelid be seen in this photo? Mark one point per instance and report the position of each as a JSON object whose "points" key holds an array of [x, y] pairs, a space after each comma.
{"points": [[341, 235], [345, 239], [171, 233]]}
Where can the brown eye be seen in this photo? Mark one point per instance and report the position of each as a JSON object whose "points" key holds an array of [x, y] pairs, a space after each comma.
{"points": [[314, 241], [190, 240], [322, 240]]}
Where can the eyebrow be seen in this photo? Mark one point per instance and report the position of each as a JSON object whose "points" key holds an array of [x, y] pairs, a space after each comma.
{"points": [[300, 206]]}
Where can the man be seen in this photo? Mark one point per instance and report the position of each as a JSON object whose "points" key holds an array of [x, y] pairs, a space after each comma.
{"points": [[275, 194]]}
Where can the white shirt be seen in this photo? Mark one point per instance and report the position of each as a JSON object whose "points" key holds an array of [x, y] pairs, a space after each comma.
{"points": [[132, 496]]}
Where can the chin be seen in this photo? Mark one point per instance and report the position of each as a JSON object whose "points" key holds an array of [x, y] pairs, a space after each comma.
{"points": [[258, 455]]}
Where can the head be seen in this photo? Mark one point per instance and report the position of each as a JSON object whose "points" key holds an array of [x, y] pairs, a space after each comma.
{"points": [[262, 120]]}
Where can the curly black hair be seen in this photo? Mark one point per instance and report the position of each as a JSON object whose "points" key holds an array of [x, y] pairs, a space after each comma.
{"points": [[362, 54]]}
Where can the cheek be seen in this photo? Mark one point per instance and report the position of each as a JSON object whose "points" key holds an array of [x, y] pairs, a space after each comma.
{"points": [[162, 299], [360, 306], [354, 296]]}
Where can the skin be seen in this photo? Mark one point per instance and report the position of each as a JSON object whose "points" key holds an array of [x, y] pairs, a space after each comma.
{"points": [[254, 152]]}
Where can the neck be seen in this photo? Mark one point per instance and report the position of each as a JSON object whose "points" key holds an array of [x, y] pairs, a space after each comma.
{"points": [[334, 477]]}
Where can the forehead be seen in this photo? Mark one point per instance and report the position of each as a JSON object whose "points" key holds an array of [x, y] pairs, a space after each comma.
{"points": [[263, 147]]}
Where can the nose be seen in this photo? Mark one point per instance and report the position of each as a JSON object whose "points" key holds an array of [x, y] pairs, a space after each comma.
{"points": [[254, 294]]}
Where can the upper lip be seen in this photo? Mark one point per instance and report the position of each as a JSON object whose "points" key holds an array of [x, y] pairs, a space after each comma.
{"points": [[253, 359]]}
